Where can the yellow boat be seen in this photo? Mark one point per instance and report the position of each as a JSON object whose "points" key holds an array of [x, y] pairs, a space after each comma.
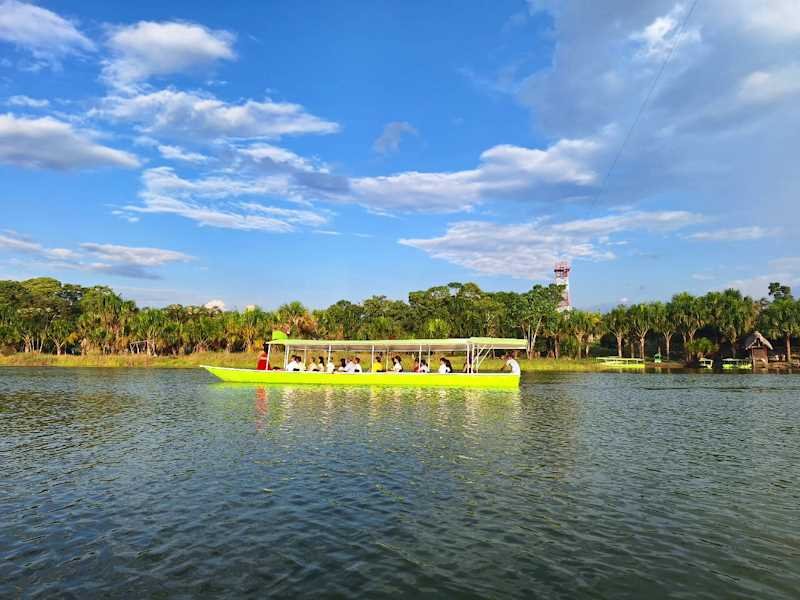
{"points": [[617, 362], [476, 349]]}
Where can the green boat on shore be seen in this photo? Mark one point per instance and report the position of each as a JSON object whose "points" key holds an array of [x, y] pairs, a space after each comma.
{"points": [[476, 349]]}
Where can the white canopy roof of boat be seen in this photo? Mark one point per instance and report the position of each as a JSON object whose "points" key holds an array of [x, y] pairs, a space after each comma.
{"points": [[439, 345]]}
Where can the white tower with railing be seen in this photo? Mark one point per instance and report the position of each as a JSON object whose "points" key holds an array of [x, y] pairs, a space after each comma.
{"points": [[561, 271]]}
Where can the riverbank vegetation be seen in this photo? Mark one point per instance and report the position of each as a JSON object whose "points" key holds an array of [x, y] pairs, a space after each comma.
{"points": [[42, 317]]}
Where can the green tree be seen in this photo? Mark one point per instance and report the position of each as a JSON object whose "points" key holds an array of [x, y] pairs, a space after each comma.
{"points": [[781, 318], [616, 322], [640, 317], [689, 315], [664, 323]]}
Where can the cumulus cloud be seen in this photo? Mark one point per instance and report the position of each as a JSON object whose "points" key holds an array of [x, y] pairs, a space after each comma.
{"points": [[147, 49], [660, 37], [111, 259], [767, 86], [529, 250], [179, 154], [28, 102], [393, 133], [503, 171], [48, 143], [216, 201], [47, 36], [202, 116]]}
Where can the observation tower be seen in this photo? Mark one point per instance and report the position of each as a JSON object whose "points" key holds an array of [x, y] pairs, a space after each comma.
{"points": [[561, 271]]}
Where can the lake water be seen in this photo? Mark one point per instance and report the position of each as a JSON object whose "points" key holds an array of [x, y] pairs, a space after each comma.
{"points": [[143, 483]]}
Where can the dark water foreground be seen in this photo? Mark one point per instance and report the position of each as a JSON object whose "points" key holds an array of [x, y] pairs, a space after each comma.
{"points": [[159, 484]]}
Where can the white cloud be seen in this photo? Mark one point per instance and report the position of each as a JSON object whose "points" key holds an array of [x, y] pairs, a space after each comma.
{"points": [[164, 181], [143, 257], [43, 33], [149, 49], [28, 102], [763, 87], [203, 116], [215, 201], [658, 39], [778, 20], [13, 242], [52, 144], [735, 234], [503, 171], [529, 250], [111, 259], [393, 133], [179, 154], [267, 154]]}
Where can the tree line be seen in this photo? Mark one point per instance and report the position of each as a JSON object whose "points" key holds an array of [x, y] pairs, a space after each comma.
{"points": [[45, 315]]}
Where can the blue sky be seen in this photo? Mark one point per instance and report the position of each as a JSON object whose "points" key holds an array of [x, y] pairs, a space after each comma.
{"points": [[318, 151]]}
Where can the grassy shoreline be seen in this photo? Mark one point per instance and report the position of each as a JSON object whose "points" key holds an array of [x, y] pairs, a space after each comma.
{"points": [[248, 360]]}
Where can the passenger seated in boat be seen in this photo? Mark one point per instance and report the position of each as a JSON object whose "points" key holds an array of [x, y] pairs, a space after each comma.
{"points": [[377, 365], [512, 364], [316, 367], [445, 366], [397, 365], [330, 367], [294, 364], [423, 367], [342, 366], [262, 360], [416, 366], [354, 366]]}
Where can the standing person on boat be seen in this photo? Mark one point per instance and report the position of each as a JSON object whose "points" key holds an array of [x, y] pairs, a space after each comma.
{"points": [[263, 364], [445, 366], [377, 365], [512, 364], [397, 367]]}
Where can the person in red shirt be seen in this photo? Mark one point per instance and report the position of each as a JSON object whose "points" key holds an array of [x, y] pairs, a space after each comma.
{"points": [[263, 364]]}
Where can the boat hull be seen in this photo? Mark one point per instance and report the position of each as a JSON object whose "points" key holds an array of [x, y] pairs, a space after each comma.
{"points": [[456, 380]]}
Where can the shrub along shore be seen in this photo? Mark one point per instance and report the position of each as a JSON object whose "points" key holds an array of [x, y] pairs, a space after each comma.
{"points": [[247, 360]]}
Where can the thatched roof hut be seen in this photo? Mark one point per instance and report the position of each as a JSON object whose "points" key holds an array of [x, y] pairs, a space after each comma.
{"points": [[758, 346]]}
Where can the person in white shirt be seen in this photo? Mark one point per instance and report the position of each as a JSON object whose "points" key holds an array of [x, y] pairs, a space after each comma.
{"points": [[423, 367], [397, 367], [351, 366], [331, 367], [445, 366], [294, 364], [357, 366], [512, 364]]}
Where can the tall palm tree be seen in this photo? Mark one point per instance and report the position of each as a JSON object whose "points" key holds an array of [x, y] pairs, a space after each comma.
{"points": [[664, 323], [689, 315], [641, 322], [616, 323]]}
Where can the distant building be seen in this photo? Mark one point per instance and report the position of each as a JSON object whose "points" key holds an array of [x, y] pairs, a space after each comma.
{"points": [[561, 271]]}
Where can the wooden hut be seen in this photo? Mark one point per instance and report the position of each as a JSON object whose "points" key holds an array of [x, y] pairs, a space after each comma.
{"points": [[758, 346]]}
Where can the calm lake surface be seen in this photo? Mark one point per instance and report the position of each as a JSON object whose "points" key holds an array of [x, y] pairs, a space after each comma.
{"points": [[135, 483]]}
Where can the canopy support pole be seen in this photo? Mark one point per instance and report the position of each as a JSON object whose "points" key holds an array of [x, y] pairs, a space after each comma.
{"points": [[269, 348], [372, 358], [286, 357], [329, 356]]}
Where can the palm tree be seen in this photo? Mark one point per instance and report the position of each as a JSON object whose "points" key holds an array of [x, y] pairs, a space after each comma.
{"points": [[734, 315], [781, 318], [641, 322], [689, 315], [616, 323], [664, 323]]}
